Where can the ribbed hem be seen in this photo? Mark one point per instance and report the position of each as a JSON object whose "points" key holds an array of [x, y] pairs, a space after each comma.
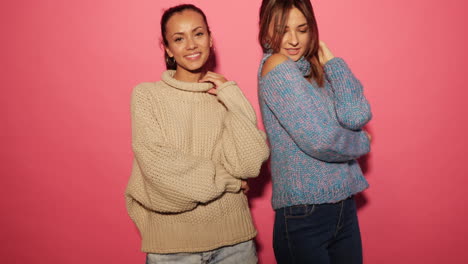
{"points": [[289, 195], [171, 237]]}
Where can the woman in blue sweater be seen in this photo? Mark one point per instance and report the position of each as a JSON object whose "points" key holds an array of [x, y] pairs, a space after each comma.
{"points": [[314, 110]]}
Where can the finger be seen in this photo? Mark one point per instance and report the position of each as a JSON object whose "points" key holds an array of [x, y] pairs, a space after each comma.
{"points": [[211, 80], [216, 76], [246, 188], [212, 91], [215, 81], [244, 184]]}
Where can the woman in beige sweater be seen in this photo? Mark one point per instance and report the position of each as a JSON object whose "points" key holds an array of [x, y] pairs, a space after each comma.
{"points": [[195, 142]]}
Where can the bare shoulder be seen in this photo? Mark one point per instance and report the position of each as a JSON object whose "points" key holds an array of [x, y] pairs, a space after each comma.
{"points": [[273, 61]]}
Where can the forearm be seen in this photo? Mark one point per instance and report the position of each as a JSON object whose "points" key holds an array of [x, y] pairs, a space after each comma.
{"points": [[242, 147], [235, 101], [352, 108], [178, 181]]}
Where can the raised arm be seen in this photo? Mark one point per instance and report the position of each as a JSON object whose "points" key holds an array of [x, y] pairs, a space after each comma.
{"points": [[300, 110], [173, 181], [352, 109]]}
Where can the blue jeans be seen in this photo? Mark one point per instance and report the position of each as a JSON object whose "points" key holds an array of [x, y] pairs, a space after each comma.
{"points": [[318, 233], [244, 253]]}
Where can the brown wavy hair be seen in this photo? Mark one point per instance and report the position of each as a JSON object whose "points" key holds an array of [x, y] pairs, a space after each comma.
{"points": [[275, 13]]}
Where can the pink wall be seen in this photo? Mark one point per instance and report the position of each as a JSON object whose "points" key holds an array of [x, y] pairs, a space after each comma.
{"points": [[67, 70]]}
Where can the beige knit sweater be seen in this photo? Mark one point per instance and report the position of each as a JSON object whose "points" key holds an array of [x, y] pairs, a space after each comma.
{"points": [[191, 149]]}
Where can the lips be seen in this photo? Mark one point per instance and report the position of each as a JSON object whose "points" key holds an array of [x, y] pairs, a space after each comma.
{"points": [[293, 51], [193, 56]]}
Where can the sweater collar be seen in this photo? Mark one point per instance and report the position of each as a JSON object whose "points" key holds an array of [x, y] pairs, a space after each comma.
{"points": [[168, 78]]}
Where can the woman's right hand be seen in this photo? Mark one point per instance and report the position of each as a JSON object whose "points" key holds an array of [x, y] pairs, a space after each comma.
{"points": [[214, 78], [324, 53]]}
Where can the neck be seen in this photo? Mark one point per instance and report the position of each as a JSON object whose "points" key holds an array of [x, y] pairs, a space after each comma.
{"points": [[189, 76]]}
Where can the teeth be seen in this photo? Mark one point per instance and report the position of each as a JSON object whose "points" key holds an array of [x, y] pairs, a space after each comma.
{"points": [[194, 55]]}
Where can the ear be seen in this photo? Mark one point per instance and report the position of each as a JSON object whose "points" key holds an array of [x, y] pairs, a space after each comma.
{"points": [[169, 52]]}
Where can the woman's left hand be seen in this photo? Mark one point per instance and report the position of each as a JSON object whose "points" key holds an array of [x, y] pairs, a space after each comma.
{"points": [[215, 78], [324, 53], [245, 186]]}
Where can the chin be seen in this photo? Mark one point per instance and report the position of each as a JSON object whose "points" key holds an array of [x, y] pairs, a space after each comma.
{"points": [[192, 67], [294, 58], [196, 66]]}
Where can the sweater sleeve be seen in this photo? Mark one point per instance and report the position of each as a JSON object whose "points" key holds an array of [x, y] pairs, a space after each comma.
{"points": [[242, 147], [352, 109], [300, 110], [173, 181]]}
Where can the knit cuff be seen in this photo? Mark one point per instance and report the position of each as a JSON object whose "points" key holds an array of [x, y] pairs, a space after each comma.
{"points": [[227, 182]]}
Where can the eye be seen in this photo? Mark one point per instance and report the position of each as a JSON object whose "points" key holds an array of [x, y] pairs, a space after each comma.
{"points": [[178, 39], [279, 30], [199, 34]]}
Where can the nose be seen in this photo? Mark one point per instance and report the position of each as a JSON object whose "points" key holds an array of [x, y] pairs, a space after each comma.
{"points": [[293, 39], [191, 44]]}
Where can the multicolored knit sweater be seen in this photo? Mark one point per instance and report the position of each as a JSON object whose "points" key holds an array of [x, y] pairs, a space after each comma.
{"points": [[315, 133]]}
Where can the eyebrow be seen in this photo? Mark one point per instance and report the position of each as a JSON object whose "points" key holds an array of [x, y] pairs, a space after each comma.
{"points": [[193, 30], [301, 25]]}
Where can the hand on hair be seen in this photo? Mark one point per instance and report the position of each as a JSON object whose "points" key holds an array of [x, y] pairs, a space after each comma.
{"points": [[216, 79], [324, 53]]}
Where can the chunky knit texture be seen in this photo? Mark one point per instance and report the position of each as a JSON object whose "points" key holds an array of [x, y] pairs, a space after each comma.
{"points": [[191, 150], [315, 133]]}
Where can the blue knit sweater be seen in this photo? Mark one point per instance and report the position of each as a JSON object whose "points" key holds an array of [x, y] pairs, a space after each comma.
{"points": [[315, 133]]}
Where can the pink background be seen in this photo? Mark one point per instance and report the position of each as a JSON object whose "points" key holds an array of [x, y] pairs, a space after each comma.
{"points": [[67, 70]]}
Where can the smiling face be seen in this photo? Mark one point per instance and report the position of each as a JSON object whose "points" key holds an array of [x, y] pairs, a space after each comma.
{"points": [[188, 42], [296, 39]]}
